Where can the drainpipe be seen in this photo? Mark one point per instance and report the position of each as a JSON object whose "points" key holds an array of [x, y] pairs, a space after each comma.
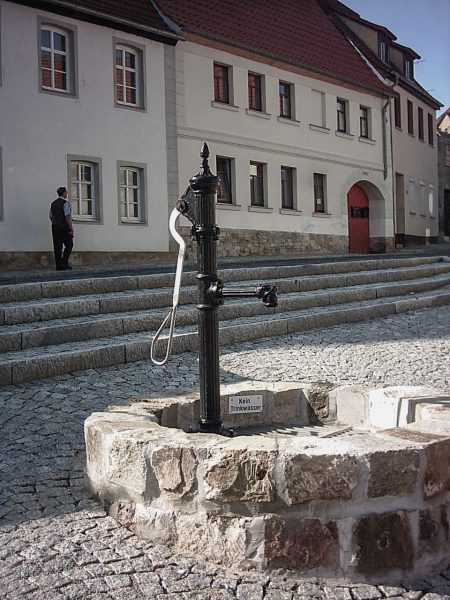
{"points": [[385, 162]]}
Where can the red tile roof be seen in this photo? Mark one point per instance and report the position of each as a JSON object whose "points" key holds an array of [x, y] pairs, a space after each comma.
{"points": [[297, 32], [140, 14]]}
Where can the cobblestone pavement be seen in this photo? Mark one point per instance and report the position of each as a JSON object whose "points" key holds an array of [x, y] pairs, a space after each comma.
{"points": [[57, 543]]}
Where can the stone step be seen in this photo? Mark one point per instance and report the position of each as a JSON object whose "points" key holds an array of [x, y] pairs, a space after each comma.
{"points": [[31, 364], [47, 309], [103, 285], [71, 329]]}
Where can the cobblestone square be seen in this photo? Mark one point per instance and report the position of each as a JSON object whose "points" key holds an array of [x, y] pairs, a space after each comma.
{"points": [[56, 542]]}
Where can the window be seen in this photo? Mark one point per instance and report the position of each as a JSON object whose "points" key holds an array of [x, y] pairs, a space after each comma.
{"points": [[422, 206], [131, 192], [319, 192], [255, 92], [224, 191], [430, 129], [398, 112], [83, 179], [410, 118], [431, 200], [447, 155], [287, 187], [412, 196], [129, 76], [420, 122], [408, 68], [383, 49], [285, 100], [341, 115], [221, 83], [55, 60], [364, 122], [256, 184]]}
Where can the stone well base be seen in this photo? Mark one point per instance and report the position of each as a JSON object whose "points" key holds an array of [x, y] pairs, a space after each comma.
{"points": [[326, 500]]}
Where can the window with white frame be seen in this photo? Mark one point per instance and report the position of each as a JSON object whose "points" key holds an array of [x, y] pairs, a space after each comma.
{"points": [[55, 59], [320, 193], [412, 196], [287, 187], [257, 184], [83, 178], [129, 76], [422, 205], [131, 194], [342, 115], [364, 122], [431, 200], [224, 173]]}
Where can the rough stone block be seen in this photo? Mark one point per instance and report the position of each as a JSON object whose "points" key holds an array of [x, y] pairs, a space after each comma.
{"points": [[287, 402], [436, 479], [383, 542], [20, 292], [393, 406], [393, 472], [300, 544], [434, 531], [175, 469], [351, 404], [188, 412], [317, 477], [239, 473]]}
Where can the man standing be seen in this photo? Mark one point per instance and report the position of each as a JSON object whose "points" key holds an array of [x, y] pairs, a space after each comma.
{"points": [[62, 229]]}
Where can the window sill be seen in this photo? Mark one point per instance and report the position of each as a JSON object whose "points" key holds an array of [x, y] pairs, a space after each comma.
{"points": [[412, 212], [130, 222], [421, 140], [290, 211], [134, 107], [226, 206], [398, 128], [257, 113], [345, 135], [61, 93], [288, 121], [224, 106], [365, 140], [86, 220], [262, 209], [319, 128], [411, 135], [324, 215]]}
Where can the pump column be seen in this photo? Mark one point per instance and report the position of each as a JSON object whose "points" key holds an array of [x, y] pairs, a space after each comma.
{"points": [[204, 185]]}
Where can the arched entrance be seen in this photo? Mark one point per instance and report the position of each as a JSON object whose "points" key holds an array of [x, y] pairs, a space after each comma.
{"points": [[358, 221]]}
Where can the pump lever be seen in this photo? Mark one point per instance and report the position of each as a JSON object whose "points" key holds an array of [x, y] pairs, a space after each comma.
{"points": [[268, 293]]}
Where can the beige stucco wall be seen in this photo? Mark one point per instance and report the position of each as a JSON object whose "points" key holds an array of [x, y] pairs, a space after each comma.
{"points": [[303, 144], [417, 161]]}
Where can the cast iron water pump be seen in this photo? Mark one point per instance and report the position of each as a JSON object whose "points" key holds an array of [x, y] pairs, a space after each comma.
{"points": [[198, 205]]}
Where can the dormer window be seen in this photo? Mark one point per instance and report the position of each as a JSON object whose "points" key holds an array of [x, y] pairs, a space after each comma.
{"points": [[383, 49], [408, 68]]}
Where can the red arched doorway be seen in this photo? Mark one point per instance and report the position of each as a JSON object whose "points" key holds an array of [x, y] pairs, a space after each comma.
{"points": [[358, 221]]}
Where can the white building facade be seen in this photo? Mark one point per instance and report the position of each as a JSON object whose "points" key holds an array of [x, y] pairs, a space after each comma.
{"points": [[289, 163], [82, 104]]}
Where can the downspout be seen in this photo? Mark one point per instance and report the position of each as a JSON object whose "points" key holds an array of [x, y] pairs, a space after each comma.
{"points": [[384, 134], [385, 165]]}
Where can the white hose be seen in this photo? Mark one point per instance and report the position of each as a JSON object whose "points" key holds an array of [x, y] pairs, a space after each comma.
{"points": [[176, 294]]}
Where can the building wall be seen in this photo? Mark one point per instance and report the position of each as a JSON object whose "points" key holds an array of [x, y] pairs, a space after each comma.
{"points": [[443, 139], [38, 131], [416, 160], [309, 144]]}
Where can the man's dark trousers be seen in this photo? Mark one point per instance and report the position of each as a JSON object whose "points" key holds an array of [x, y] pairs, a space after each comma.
{"points": [[61, 237]]}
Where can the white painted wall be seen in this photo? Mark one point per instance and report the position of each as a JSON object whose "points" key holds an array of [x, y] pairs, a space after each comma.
{"points": [[246, 137], [38, 131]]}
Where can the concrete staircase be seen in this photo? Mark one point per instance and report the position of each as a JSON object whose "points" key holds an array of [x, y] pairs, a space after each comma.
{"points": [[53, 327]]}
